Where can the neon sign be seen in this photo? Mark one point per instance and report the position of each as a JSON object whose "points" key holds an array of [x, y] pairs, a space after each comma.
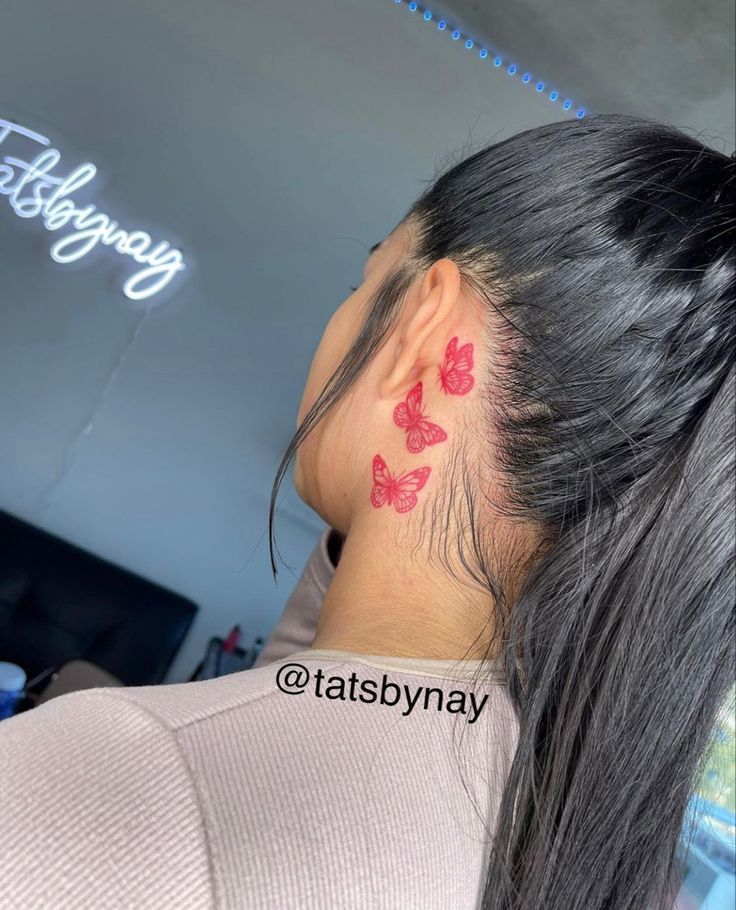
{"points": [[34, 192]]}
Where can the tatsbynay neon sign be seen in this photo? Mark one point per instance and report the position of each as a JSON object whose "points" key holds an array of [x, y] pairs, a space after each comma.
{"points": [[34, 192]]}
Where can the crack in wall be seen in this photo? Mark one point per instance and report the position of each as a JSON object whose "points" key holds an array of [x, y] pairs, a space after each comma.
{"points": [[70, 456]]}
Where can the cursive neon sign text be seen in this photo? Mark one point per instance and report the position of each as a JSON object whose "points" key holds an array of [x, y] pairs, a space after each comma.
{"points": [[33, 191]]}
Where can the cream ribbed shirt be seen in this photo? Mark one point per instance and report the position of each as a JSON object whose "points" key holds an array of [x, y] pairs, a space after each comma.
{"points": [[374, 787]]}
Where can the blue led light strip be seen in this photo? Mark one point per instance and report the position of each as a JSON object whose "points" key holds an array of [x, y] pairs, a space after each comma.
{"points": [[498, 62]]}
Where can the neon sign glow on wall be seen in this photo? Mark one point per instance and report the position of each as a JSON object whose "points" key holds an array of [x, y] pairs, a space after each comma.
{"points": [[33, 192]]}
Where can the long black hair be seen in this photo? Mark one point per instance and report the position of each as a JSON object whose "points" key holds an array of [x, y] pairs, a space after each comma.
{"points": [[606, 248]]}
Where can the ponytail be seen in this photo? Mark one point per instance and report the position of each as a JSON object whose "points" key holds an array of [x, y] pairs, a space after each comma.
{"points": [[627, 671]]}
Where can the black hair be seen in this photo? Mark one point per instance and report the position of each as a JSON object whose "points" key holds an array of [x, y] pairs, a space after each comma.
{"points": [[606, 248]]}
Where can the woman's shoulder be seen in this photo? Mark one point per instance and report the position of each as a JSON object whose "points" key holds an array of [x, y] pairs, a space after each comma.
{"points": [[97, 787], [127, 792]]}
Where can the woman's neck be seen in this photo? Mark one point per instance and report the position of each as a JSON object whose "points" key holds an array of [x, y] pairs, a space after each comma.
{"points": [[386, 598]]}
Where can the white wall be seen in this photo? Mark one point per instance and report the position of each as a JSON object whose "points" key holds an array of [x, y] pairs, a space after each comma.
{"points": [[275, 140]]}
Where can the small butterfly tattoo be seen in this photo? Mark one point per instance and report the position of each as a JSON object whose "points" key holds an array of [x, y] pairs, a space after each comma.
{"points": [[400, 492], [454, 373], [420, 431]]}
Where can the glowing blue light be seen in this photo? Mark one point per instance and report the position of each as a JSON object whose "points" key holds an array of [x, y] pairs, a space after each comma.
{"points": [[498, 62]]}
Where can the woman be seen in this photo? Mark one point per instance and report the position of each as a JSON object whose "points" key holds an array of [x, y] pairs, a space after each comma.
{"points": [[522, 426]]}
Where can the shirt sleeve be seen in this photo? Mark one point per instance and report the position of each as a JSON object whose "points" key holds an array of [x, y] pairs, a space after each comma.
{"points": [[297, 624], [98, 810]]}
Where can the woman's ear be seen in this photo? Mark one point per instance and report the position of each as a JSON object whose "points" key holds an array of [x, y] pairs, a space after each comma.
{"points": [[434, 307]]}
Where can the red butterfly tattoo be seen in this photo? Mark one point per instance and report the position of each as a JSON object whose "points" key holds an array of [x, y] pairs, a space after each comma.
{"points": [[455, 377], [400, 492], [420, 431]]}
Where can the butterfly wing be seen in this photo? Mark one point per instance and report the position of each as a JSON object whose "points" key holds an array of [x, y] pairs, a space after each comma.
{"points": [[459, 383], [407, 412], [407, 486], [455, 376], [401, 415], [463, 359], [430, 433], [414, 439], [450, 352], [382, 483], [414, 401], [444, 368]]}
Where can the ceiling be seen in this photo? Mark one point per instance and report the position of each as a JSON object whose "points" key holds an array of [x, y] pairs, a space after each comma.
{"points": [[673, 60]]}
